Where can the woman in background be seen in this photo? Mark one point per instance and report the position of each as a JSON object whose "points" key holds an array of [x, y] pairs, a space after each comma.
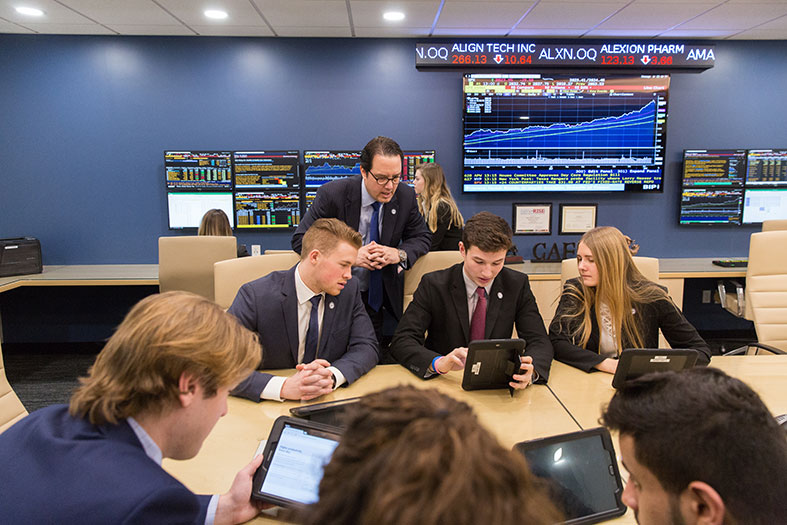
{"points": [[438, 207], [611, 306], [215, 222], [418, 456]]}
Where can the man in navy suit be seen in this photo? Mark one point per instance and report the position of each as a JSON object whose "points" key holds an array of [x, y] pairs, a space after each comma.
{"points": [[310, 318], [155, 391], [476, 299], [386, 214]]}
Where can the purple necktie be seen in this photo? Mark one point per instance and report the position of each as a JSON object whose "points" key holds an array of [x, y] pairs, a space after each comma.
{"points": [[478, 322]]}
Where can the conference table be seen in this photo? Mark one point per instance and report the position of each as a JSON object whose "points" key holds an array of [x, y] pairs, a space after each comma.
{"points": [[572, 400]]}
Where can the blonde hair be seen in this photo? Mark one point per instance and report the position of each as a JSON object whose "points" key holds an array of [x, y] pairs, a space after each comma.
{"points": [[215, 222], [326, 234], [436, 191], [162, 337], [620, 286]]}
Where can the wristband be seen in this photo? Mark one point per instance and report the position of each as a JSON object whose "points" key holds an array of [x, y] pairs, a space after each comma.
{"points": [[434, 365]]}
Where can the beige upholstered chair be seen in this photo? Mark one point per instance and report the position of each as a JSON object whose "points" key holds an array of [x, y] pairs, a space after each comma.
{"points": [[186, 263], [648, 266], [230, 275], [427, 263], [11, 409], [774, 225], [269, 252], [766, 292]]}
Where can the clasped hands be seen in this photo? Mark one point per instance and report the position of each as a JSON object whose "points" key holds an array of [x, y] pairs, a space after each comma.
{"points": [[310, 380], [456, 359], [375, 256]]}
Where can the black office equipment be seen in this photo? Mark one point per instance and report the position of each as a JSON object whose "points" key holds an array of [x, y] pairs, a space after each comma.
{"points": [[330, 413], [20, 256], [581, 474], [731, 263], [634, 362], [712, 186], [490, 363]]}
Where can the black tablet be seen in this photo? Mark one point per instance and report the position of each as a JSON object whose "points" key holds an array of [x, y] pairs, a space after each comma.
{"points": [[295, 454], [635, 362], [331, 412], [491, 363], [581, 474]]}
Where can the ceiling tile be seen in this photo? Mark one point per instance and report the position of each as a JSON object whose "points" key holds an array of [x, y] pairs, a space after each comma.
{"points": [[469, 31], [8, 27], [736, 16], [227, 30], [761, 34], [304, 13], [697, 33], [54, 13], [313, 31], [392, 32], [654, 15], [621, 33], [125, 12], [192, 13], [583, 15], [547, 32], [70, 29], [132, 29], [370, 14], [481, 15]]}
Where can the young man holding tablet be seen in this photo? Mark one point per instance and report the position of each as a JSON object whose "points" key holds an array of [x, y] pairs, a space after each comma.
{"points": [[311, 318], [155, 391], [476, 299]]}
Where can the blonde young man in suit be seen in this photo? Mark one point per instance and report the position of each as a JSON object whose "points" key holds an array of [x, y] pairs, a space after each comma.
{"points": [[476, 299]]}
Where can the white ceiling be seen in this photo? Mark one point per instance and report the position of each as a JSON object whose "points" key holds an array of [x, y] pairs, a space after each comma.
{"points": [[707, 19]]}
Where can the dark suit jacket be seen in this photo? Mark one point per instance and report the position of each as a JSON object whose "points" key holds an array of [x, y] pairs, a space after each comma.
{"points": [[269, 306], [445, 237], [662, 315], [439, 307], [60, 469], [403, 226]]}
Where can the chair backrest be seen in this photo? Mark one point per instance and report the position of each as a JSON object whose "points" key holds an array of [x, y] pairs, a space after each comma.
{"points": [[11, 409], [427, 263], [648, 266], [230, 275], [774, 225], [269, 252], [186, 263], [766, 287]]}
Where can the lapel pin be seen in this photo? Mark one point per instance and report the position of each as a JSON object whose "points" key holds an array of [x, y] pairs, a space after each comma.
{"points": [[330, 305], [393, 211], [499, 295]]}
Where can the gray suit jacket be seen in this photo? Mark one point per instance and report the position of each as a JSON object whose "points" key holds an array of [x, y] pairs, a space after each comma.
{"points": [[269, 306]]}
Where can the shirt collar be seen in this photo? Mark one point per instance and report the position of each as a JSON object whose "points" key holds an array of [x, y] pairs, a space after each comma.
{"points": [[366, 199], [471, 287], [148, 445], [303, 292]]}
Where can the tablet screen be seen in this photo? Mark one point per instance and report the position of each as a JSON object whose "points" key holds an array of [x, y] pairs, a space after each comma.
{"points": [[580, 474], [296, 468]]}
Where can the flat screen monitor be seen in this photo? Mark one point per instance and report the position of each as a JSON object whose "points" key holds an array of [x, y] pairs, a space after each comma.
{"points": [[711, 206], [266, 170], [760, 204], [573, 133], [270, 210], [712, 186], [324, 166], [412, 159], [185, 209], [767, 167], [198, 170]]}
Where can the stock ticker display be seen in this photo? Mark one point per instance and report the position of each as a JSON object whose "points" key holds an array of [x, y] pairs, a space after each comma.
{"points": [[767, 167], [198, 170], [268, 210], [533, 133]]}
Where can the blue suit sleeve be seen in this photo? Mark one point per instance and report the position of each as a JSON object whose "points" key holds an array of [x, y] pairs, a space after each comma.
{"points": [[363, 352], [244, 308]]}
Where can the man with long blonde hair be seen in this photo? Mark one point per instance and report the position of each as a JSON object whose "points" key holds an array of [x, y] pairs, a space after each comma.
{"points": [[155, 391]]}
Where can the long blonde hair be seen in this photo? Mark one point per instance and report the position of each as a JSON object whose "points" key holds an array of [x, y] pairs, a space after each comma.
{"points": [[436, 191], [620, 286]]}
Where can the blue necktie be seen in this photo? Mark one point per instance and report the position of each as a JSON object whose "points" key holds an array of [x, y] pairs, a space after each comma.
{"points": [[313, 333], [375, 276]]}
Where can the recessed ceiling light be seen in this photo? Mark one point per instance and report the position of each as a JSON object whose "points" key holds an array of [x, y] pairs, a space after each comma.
{"points": [[30, 11], [216, 14], [393, 16]]}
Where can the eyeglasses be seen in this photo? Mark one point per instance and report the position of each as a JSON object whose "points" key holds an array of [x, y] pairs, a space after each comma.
{"points": [[382, 181]]}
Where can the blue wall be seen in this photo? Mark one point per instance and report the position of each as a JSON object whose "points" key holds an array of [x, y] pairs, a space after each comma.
{"points": [[84, 122]]}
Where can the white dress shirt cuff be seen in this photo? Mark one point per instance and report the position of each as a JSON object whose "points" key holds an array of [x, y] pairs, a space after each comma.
{"points": [[340, 379], [272, 390], [210, 516]]}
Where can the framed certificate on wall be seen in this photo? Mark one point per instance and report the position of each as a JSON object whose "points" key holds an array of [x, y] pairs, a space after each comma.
{"points": [[577, 218], [532, 219]]}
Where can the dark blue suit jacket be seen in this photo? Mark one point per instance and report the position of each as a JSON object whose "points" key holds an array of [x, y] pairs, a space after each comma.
{"points": [[269, 306], [60, 469], [403, 226]]}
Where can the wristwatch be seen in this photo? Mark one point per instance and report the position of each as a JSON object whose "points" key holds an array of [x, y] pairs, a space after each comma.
{"points": [[402, 256]]}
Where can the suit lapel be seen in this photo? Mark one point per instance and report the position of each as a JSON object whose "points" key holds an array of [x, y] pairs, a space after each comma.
{"points": [[352, 204], [289, 312], [493, 304], [327, 324], [459, 297]]}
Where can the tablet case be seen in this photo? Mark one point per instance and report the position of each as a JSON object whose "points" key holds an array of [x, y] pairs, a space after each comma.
{"points": [[330, 412], [581, 473], [490, 363], [634, 362]]}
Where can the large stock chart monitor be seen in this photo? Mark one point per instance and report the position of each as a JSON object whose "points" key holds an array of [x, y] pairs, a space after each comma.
{"points": [[266, 170], [185, 209], [766, 186], [324, 166], [712, 191], [539, 133], [268, 210], [198, 170]]}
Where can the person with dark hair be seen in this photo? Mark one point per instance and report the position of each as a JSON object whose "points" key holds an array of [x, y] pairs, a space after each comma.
{"points": [[438, 207], [611, 306], [476, 299], [155, 391], [310, 318], [418, 456], [386, 214], [700, 447], [216, 222]]}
